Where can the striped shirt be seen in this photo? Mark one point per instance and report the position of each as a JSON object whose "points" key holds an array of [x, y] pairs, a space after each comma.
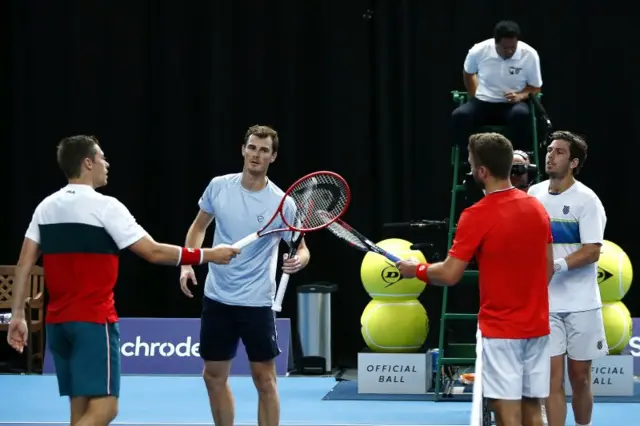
{"points": [[80, 233], [577, 218]]}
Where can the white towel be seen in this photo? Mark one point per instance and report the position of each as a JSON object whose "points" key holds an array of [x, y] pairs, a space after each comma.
{"points": [[476, 405]]}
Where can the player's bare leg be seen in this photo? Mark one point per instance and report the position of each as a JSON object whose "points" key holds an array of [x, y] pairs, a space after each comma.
{"points": [[264, 378], [556, 407], [100, 411], [507, 413], [531, 412], [581, 394], [79, 406], [216, 375]]}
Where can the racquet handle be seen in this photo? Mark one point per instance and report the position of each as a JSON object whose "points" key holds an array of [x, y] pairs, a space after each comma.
{"points": [[282, 288], [246, 241], [391, 257]]}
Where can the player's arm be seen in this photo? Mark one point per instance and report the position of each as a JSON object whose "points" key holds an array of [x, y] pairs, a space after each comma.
{"points": [[592, 222], [470, 71], [127, 233], [447, 273], [303, 253], [168, 254], [29, 255], [198, 229], [469, 235], [549, 262]]}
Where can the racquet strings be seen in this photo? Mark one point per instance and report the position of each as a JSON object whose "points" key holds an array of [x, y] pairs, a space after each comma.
{"points": [[343, 233], [321, 193]]}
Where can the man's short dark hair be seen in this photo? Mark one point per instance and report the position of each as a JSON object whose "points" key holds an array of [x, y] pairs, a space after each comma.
{"points": [[263, 132], [494, 152], [577, 147], [72, 151], [506, 29]]}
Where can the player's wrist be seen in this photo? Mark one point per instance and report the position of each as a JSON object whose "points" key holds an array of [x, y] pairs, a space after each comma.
{"points": [[421, 272], [190, 256], [560, 265], [17, 314]]}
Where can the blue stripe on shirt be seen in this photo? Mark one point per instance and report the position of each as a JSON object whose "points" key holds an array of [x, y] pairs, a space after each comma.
{"points": [[565, 231]]}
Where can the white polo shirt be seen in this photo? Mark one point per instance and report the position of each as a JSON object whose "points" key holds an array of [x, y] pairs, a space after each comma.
{"points": [[80, 233], [497, 76], [577, 218]]}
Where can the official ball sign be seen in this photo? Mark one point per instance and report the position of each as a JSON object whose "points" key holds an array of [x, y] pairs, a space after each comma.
{"points": [[633, 348], [610, 376], [390, 373], [172, 346]]}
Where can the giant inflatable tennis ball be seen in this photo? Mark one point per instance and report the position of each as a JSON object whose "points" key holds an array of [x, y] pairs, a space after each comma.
{"points": [[382, 280], [615, 272], [394, 326], [618, 326]]}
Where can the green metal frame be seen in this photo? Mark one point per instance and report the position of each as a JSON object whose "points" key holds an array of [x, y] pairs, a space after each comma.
{"points": [[465, 353]]}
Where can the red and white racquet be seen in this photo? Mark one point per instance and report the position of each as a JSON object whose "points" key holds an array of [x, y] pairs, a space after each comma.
{"points": [[325, 191], [322, 191]]}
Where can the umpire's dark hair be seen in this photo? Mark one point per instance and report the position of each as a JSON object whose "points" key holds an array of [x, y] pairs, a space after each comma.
{"points": [[506, 29], [577, 147], [492, 151], [73, 150]]}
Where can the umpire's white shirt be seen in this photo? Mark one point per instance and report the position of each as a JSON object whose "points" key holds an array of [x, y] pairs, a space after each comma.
{"points": [[497, 76]]}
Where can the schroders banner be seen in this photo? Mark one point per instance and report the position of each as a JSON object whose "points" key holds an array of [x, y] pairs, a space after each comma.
{"points": [[172, 346], [633, 348]]}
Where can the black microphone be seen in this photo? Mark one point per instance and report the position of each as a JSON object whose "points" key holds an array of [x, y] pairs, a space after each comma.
{"points": [[416, 224], [540, 109]]}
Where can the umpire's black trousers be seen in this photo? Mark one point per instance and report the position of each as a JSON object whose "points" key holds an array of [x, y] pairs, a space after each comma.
{"points": [[469, 117]]}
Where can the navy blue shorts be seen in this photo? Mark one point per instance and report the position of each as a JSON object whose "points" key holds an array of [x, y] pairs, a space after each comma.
{"points": [[223, 326], [87, 358]]}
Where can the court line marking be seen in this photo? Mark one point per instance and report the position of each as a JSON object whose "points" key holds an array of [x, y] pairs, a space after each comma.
{"points": [[209, 424]]}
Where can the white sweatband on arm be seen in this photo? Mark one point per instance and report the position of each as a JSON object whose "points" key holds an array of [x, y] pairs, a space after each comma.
{"points": [[560, 265]]}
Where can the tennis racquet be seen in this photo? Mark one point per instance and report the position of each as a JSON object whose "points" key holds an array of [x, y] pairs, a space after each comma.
{"points": [[355, 239], [329, 193], [304, 212]]}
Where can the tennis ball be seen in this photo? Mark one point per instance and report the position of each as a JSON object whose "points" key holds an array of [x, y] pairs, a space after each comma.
{"points": [[615, 272], [618, 326], [397, 326], [382, 280]]}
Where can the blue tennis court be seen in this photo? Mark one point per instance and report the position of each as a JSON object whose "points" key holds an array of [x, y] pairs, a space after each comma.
{"points": [[163, 400]]}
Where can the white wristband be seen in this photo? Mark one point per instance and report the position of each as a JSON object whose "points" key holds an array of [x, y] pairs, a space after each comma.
{"points": [[179, 256], [560, 265]]}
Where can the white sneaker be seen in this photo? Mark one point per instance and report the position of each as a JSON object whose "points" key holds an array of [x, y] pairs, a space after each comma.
{"points": [[544, 415]]}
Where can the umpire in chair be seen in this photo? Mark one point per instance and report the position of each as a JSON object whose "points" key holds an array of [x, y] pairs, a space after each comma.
{"points": [[499, 74]]}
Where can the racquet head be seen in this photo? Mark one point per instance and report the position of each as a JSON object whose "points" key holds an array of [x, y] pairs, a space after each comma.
{"points": [[323, 191], [355, 239], [344, 232]]}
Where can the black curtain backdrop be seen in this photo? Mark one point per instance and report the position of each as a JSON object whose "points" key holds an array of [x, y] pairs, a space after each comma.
{"points": [[360, 87]]}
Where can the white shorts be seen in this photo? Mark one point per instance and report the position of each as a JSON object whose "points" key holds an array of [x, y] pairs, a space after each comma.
{"points": [[579, 335], [516, 368]]}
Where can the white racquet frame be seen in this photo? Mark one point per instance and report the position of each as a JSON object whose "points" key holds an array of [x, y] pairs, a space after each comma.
{"points": [[284, 279]]}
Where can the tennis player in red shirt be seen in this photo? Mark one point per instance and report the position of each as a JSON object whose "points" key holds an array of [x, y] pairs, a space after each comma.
{"points": [[509, 233]]}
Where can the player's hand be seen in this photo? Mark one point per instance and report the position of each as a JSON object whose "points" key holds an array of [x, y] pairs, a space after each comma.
{"points": [[407, 268], [18, 334], [291, 265], [223, 253], [187, 274]]}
